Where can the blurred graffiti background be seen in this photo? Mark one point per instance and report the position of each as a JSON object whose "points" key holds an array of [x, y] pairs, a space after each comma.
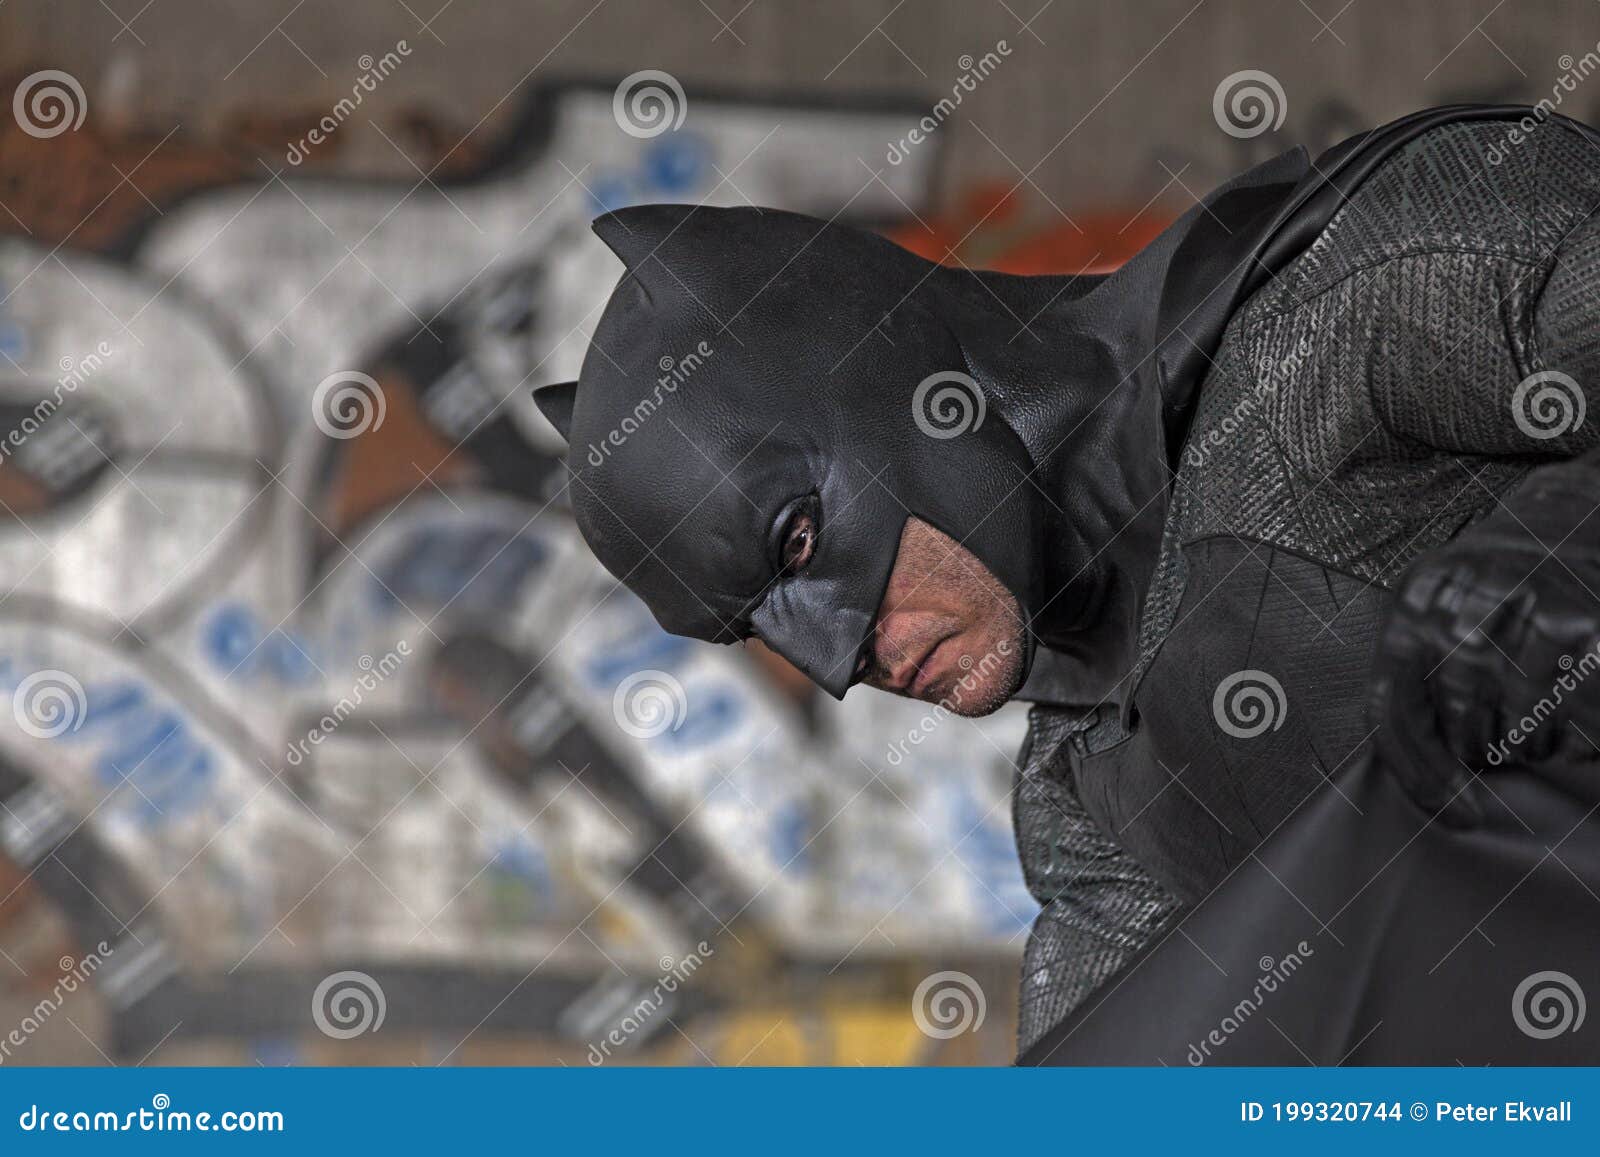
{"points": [[327, 741]]}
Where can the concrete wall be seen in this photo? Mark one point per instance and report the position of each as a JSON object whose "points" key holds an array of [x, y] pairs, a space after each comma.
{"points": [[1093, 100]]}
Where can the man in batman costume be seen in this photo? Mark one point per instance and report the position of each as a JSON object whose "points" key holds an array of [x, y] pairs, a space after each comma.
{"points": [[1286, 528]]}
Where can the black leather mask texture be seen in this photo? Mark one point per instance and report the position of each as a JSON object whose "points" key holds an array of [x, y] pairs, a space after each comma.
{"points": [[753, 359]]}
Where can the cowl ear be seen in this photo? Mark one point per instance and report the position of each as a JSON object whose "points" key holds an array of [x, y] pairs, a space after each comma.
{"points": [[636, 232], [555, 403]]}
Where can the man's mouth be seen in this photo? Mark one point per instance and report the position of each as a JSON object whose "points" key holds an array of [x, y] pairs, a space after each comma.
{"points": [[913, 677]]}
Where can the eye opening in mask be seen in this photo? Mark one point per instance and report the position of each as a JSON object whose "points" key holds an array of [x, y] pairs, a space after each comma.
{"points": [[795, 533]]}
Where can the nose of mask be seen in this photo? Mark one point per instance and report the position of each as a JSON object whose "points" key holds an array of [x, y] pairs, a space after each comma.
{"points": [[825, 645]]}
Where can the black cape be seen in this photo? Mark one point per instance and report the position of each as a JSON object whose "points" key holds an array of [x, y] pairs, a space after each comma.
{"points": [[1365, 930]]}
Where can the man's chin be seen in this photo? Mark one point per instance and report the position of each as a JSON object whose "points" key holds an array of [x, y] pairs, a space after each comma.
{"points": [[975, 709]]}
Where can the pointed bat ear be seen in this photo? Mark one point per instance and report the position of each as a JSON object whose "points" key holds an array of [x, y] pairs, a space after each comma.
{"points": [[555, 403], [634, 233]]}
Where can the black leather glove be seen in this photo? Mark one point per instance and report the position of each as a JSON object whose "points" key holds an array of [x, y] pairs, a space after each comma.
{"points": [[1490, 655]]}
